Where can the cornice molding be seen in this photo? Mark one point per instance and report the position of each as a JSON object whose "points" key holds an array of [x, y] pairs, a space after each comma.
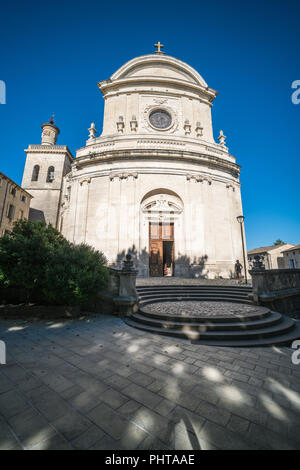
{"points": [[204, 94], [138, 172], [142, 154], [130, 142], [59, 149]]}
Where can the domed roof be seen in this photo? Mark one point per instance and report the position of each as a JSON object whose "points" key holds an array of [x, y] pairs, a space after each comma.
{"points": [[161, 69], [158, 66]]}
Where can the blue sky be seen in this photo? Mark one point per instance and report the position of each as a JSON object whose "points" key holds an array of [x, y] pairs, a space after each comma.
{"points": [[53, 54]]}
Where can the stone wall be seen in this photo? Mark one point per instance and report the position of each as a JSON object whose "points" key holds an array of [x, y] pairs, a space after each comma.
{"points": [[278, 289], [11, 195]]}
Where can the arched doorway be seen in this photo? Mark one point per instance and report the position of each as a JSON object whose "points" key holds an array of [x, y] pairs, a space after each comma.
{"points": [[161, 210]]}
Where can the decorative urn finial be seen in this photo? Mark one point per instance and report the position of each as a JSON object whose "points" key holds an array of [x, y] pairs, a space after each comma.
{"points": [[222, 138], [92, 131], [128, 263]]}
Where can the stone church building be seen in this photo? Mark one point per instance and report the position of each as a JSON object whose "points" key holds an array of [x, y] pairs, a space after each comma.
{"points": [[154, 183]]}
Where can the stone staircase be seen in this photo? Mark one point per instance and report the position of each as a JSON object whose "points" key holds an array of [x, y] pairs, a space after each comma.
{"points": [[261, 327]]}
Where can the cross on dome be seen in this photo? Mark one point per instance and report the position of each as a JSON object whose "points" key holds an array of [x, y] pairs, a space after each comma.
{"points": [[159, 46]]}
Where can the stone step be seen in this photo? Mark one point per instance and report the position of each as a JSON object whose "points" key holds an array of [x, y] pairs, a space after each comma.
{"points": [[284, 339], [144, 300], [191, 288], [194, 289], [193, 292], [205, 324], [260, 328], [285, 326], [241, 295], [262, 312]]}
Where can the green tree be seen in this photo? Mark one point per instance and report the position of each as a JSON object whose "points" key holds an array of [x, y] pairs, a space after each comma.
{"points": [[278, 242], [26, 251], [36, 257]]}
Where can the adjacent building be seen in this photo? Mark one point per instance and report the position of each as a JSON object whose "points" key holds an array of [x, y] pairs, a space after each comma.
{"points": [[292, 257], [271, 256], [14, 203]]}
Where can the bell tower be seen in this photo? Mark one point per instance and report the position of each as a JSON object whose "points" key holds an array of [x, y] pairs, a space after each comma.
{"points": [[45, 167]]}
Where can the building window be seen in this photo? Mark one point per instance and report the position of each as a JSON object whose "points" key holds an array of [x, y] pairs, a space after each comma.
{"points": [[292, 263], [13, 191], [50, 174], [35, 173], [11, 211], [23, 198]]}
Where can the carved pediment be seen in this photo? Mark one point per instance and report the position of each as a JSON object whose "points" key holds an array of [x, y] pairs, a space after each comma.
{"points": [[162, 205]]}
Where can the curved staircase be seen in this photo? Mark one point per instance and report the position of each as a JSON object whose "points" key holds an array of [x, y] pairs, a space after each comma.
{"points": [[261, 327]]}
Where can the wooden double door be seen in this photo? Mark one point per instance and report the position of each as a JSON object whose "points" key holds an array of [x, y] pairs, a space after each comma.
{"points": [[161, 249]]}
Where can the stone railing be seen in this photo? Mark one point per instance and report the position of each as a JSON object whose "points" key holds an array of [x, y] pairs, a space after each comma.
{"points": [[120, 297], [278, 289]]}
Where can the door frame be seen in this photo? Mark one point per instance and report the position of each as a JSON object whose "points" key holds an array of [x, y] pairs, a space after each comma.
{"points": [[159, 240]]}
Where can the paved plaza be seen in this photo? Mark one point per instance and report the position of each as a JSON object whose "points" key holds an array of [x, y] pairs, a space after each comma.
{"points": [[97, 383]]}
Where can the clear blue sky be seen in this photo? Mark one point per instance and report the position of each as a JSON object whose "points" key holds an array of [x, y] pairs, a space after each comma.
{"points": [[53, 54]]}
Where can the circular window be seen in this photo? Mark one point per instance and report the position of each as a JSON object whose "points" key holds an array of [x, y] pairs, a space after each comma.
{"points": [[160, 119]]}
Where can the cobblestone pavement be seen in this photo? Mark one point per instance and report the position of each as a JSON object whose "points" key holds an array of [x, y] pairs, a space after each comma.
{"points": [[203, 309], [96, 383], [182, 281]]}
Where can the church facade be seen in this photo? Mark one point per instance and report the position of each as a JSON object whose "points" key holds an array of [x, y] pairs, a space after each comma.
{"points": [[155, 183]]}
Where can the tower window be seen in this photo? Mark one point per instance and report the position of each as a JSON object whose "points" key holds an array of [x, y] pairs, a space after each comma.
{"points": [[50, 174], [35, 173]]}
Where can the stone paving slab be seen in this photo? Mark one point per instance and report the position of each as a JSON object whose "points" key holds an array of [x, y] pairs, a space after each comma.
{"points": [[96, 383]]}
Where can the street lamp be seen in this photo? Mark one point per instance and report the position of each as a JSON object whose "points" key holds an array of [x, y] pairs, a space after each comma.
{"points": [[240, 219]]}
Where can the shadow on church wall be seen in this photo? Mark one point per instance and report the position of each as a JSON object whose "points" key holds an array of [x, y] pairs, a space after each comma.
{"points": [[184, 266]]}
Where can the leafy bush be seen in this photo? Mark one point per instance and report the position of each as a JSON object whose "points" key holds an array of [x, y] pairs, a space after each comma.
{"points": [[38, 258], [75, 275]]}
